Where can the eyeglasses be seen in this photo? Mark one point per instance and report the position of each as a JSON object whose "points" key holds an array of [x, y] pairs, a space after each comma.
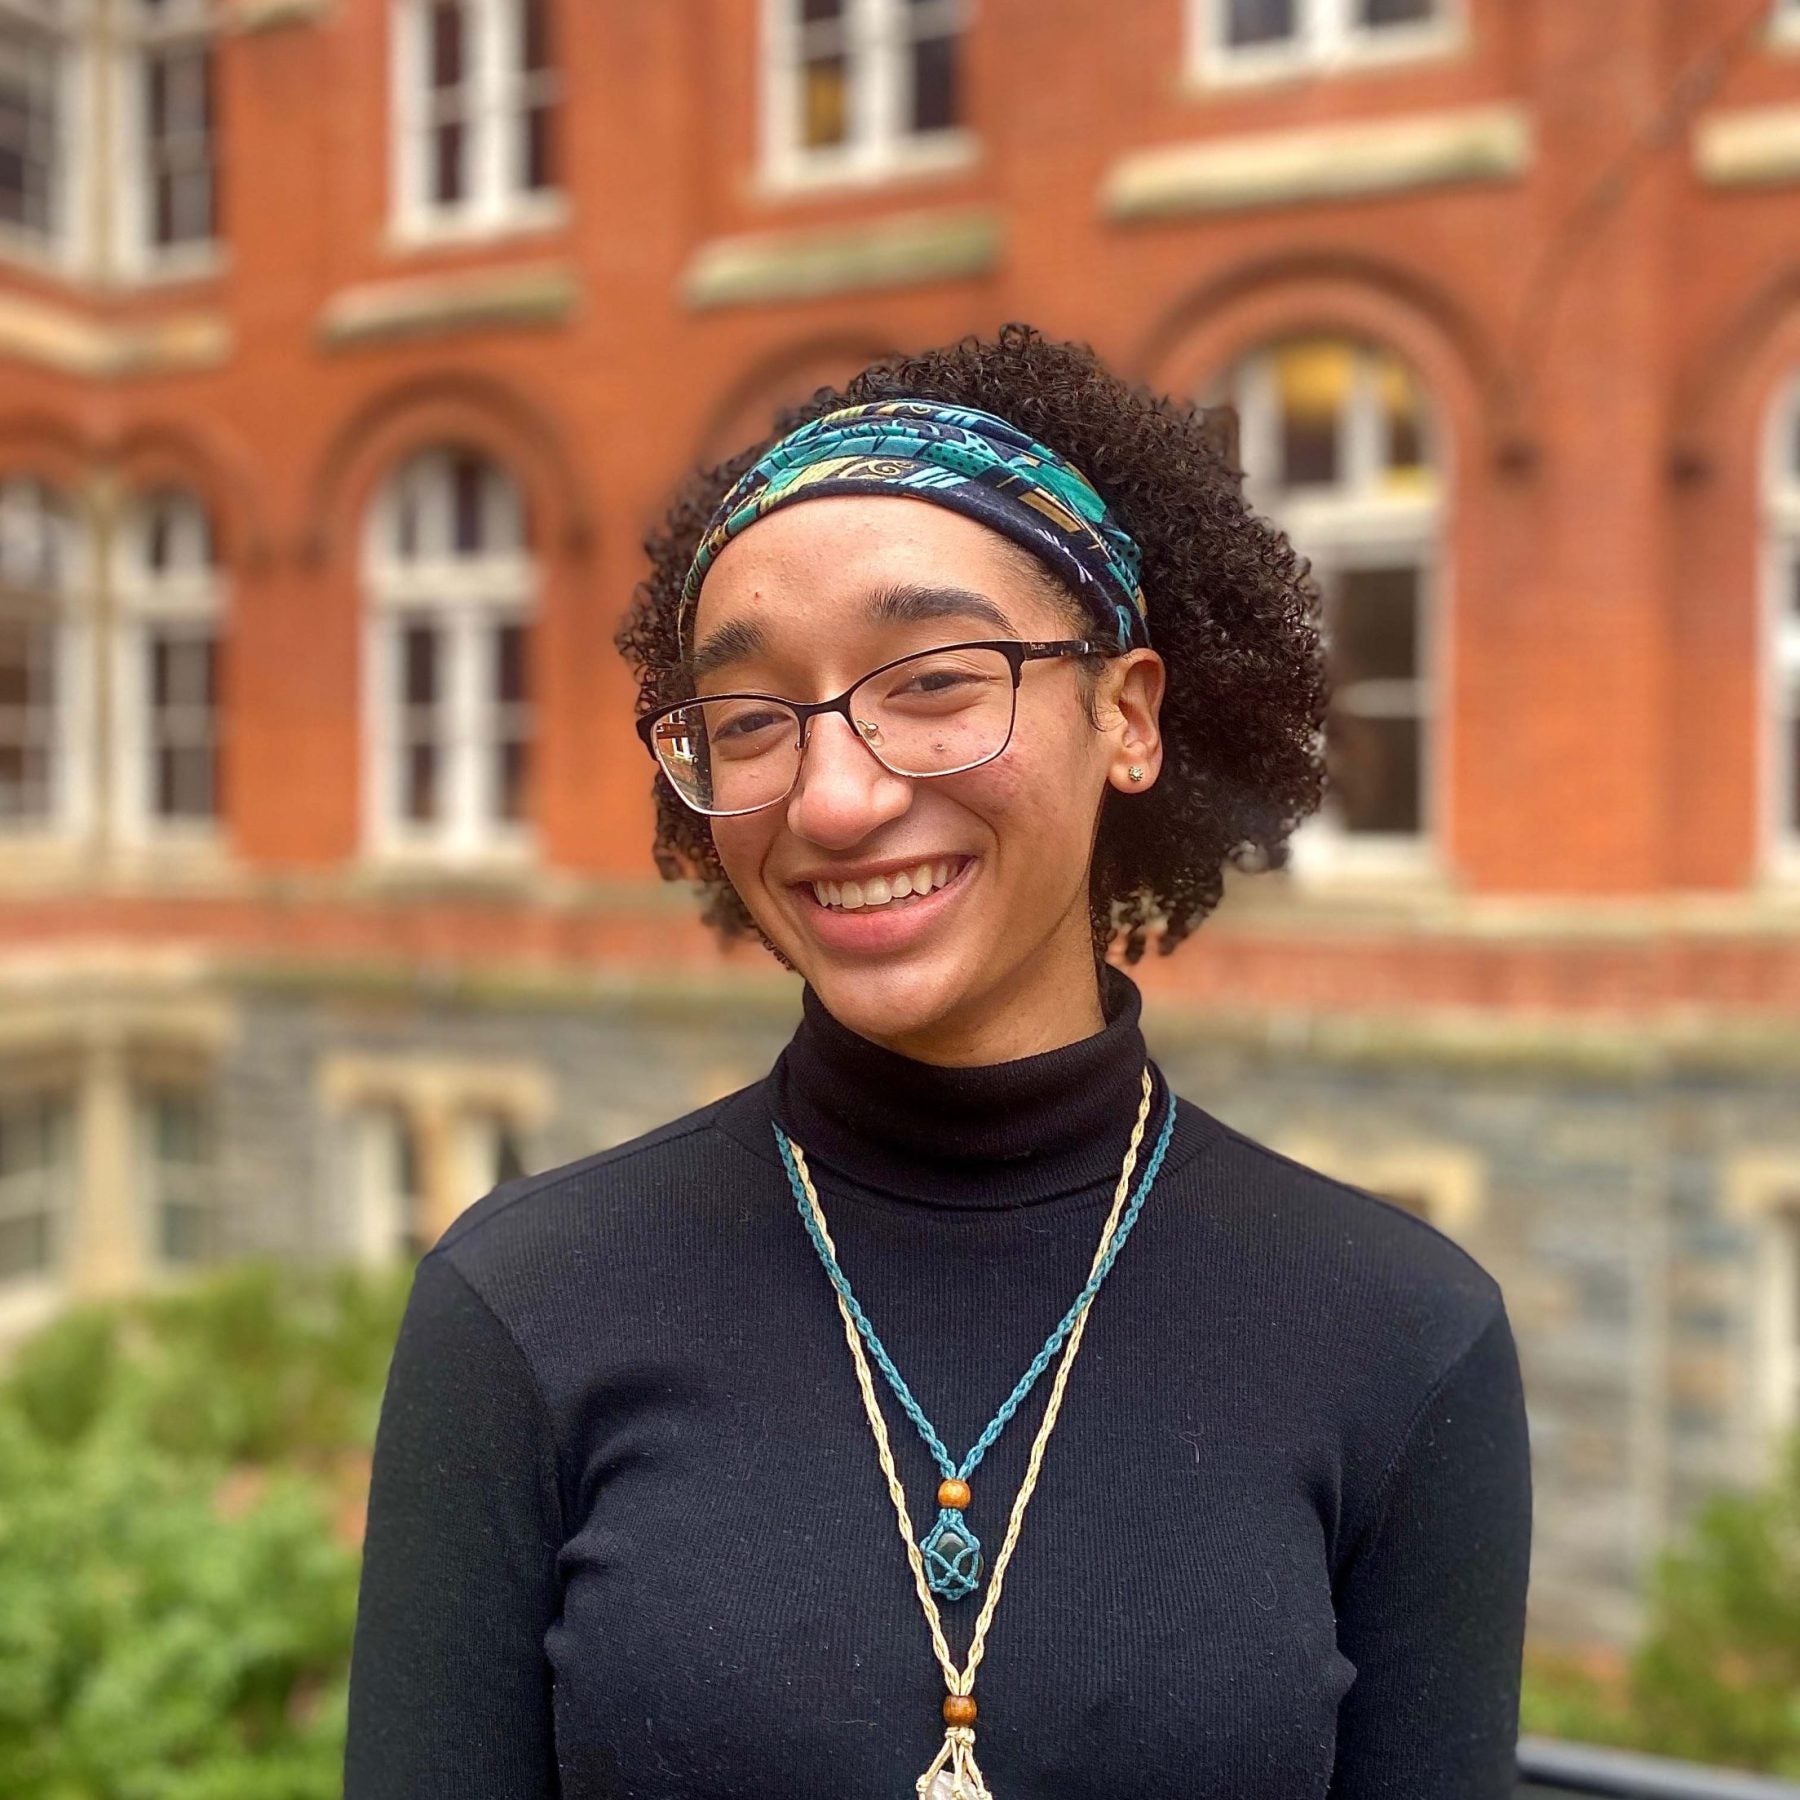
{"points": [[936, 712]]}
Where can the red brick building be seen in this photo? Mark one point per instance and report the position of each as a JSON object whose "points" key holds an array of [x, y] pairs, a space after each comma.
{"points": [[347, 347]]}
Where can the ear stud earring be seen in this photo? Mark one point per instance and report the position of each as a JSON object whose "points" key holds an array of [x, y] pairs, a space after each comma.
{"points": [[1135, 772]]}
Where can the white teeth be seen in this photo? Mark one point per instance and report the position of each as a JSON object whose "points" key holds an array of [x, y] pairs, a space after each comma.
{"points": [[878, 890]]}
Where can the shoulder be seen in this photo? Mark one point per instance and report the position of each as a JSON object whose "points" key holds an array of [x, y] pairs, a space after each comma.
{"points": [[1353, 1279], [612, 1208]]}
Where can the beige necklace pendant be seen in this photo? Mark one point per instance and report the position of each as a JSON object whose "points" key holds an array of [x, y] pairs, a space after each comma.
{"points": [[954, 1773]]}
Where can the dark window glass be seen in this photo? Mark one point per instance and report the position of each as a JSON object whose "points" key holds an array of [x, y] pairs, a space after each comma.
{"points": [[468, 487], [1259, 21], [538, 166], [1372, 768], [509, 1159], [819, 12], [1376, 13], [1794, 586], [509, 663], [534, 35], [446, 45], [421, 799], [419, 670], [447, 162], [1373, 626], [515, 758], [935, 105]]}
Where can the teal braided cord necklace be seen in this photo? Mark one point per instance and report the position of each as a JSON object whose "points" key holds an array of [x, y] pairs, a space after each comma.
{"points": [[951, 1551]]}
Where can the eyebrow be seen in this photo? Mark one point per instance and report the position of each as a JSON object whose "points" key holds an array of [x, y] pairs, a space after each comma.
{"points": [[905, 604]]}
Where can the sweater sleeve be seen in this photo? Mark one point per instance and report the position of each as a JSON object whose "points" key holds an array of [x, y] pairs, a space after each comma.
{"points": [[450, 1690], [1431, 1598]]}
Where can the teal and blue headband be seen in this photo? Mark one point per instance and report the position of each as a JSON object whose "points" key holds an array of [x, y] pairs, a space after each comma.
{"points": [[970, 461]]}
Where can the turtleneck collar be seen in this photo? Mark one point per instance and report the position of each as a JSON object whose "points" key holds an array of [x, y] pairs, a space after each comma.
{"points": [[996, 1134]]}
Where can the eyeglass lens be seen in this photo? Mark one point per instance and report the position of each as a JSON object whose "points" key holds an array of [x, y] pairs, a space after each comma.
{"points": [[929, 715]]}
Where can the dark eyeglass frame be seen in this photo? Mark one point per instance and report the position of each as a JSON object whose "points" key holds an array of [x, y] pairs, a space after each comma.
{"points": [[1017, 651]]}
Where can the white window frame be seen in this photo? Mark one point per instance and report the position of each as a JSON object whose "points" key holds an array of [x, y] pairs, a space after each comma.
{"points": [[28, 506], [497, 203], [1780, 685], [164, 1182], [1352, 524], [1784, 24], [877, 149], [466, 598], [185, 600], [1776, 1314], [67, 247], [1327, 41], [141, 34], [26, 1299]]}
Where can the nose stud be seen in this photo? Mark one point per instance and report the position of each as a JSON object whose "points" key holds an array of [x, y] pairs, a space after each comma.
{"points": [[871, 732]]}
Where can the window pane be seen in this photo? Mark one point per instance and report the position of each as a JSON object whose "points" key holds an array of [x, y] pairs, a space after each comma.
{"points": [[815, 12], [1313, 384], [421, 800], [446, 44], [824, 101], [509, 663], [1373, 625], [935, 105], [24, 1246], [1259, 21], [27, 719], [1402, 404], [28, 129], [514, 768], [536, 167], [468, 486], [419, 665], [1372, 767], [1376, 13], [447, 162], [534, 35]]}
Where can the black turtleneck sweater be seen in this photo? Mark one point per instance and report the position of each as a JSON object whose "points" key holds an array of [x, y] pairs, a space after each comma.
{"points": [[627, 1535]]}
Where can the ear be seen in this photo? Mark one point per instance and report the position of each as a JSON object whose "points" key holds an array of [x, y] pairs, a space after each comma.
{"points": [[1127, 708]]}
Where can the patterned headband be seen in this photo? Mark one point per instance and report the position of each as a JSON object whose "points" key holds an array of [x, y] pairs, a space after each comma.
{"points": [[970, 461]]}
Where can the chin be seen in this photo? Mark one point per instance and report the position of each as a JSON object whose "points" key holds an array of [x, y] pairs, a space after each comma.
{"points": [[894, 1005]]}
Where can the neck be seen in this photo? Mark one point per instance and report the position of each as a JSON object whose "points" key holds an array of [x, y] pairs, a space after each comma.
{"points": [[994, 1133]]}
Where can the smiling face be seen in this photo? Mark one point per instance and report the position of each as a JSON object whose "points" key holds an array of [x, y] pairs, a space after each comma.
{"points": [[981, 949]]}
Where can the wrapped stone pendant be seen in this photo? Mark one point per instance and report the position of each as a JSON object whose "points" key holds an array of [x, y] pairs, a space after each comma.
{"points": [[954, 1774], [952, 1554]]}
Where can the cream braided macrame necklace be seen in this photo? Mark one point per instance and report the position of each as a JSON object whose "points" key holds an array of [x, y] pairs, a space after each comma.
{"points": [[954, 1773]]}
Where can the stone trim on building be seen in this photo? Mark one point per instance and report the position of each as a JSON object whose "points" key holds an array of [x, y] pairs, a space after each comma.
{"points": [[1334, 162]]}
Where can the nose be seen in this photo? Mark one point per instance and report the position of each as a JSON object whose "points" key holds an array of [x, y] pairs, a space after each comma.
{"points": [[843, 792]]}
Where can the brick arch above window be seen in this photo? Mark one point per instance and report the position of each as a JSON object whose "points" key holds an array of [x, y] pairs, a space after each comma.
{"points": [[1352, 295], [486, 415], [783, 377]]}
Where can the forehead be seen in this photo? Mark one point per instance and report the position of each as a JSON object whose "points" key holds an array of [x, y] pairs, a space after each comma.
{"points": [[814, 565]]}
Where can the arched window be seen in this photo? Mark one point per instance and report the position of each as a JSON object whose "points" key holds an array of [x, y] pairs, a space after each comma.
{"points": [[168, 670], [1781, 511], [42, 632], [1339, 447], [450, 587]]}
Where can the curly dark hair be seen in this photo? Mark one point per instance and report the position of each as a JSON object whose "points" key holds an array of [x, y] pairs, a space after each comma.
{"points": [[1233, 611]]}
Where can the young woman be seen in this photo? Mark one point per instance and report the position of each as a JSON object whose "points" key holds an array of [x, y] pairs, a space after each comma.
{"points": [[955, 1411]]}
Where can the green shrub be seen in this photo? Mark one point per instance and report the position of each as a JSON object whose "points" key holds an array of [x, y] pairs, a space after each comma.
{"points": [[1716, 1677], [180, 1585]]}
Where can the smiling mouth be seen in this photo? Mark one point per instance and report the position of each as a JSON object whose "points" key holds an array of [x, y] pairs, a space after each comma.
{"points": [[884, 891]]}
